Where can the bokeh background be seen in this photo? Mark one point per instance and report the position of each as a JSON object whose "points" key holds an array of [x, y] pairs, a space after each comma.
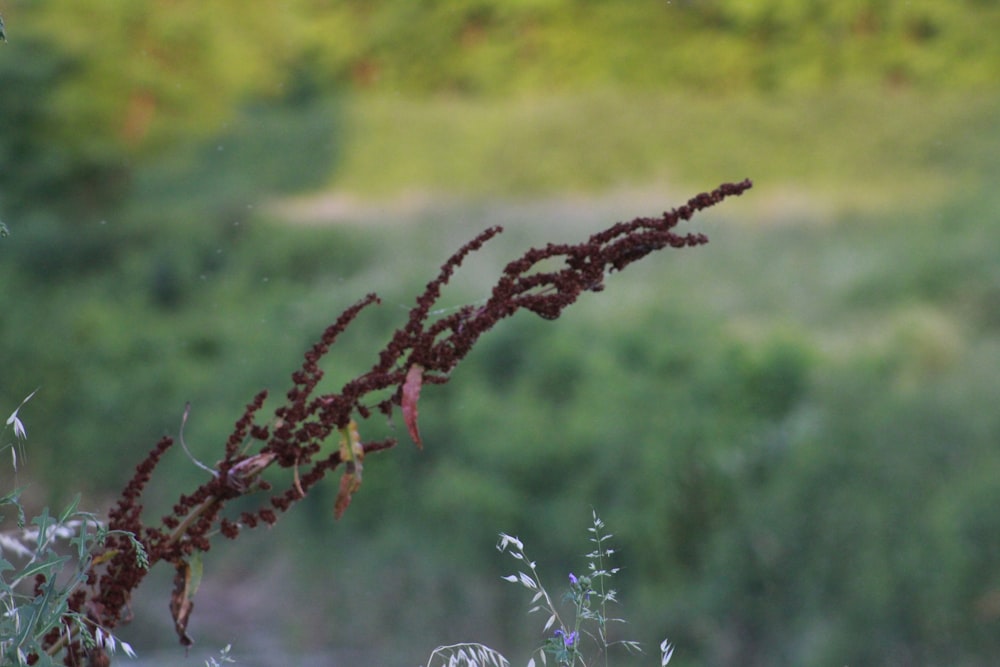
{"points": [[792, 432]]}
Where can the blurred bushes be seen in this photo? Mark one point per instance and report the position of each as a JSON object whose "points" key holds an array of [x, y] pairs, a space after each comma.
{"points": [[784, 493], [95, 92], [488, 47], [44, 163], [790, 492], [845, 541], [269, 147], [155, 318]]}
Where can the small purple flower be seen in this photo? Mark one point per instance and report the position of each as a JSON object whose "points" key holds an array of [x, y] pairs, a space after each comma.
{"points": [[573, 580], [568, 640]]}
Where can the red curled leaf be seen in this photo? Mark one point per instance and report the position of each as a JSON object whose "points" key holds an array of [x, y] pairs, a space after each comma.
{"points": [[411, 393]]}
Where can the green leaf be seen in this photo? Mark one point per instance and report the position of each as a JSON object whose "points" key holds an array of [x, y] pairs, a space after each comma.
{"points": [[70, 509], [44, 567]]}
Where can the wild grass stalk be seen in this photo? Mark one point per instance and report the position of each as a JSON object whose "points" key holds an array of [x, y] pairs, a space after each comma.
{"points": [[577, 638]]}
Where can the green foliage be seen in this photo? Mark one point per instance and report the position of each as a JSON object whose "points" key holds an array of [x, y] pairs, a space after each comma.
{"points": [[174, 280], [484, 46], [93, 91], [873, 553], [38, 155], [42, 563], [146, 75], [269, 147]]}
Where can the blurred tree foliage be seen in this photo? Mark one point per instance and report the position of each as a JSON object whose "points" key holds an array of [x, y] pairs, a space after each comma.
{"points": [[485, 46], [93, 90], [93, 87]]}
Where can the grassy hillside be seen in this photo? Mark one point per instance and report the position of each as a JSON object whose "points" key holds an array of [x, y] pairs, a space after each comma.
{"points": [[848, 147]]}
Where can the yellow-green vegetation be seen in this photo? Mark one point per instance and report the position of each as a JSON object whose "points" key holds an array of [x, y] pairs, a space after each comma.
{"points": [[97, 89], [848, 147]]}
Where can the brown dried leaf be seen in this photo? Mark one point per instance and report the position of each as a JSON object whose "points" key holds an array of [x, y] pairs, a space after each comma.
{"points": [[244, 472], [181, 604], [349, 483], [411, 393]]}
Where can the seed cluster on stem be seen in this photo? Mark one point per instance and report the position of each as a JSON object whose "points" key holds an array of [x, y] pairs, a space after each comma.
{"points": [[422, 351]]}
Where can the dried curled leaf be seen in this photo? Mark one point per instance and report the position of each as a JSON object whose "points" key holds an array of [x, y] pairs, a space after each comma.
{"points": [[242, 474], [352, 454], [349, 483], [182, 602], [411, 393]]}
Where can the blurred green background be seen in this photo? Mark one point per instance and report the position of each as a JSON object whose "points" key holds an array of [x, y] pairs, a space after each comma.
{"points": [[792, 432]]}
